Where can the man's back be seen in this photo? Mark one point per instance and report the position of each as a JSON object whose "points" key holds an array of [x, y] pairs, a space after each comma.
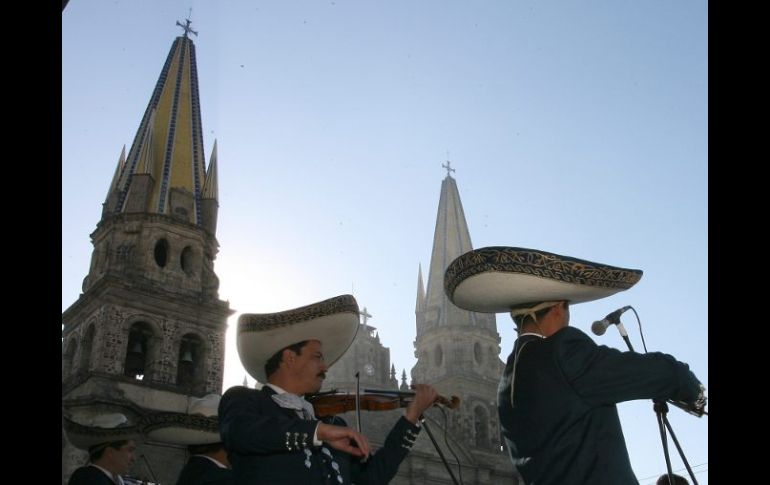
{"points": [[564, 426]]}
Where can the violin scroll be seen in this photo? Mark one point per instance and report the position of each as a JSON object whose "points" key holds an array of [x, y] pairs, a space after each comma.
{"points": [[451, 403]]}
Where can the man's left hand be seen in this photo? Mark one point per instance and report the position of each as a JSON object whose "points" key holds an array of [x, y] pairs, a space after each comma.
{"points": [[424, 397]]}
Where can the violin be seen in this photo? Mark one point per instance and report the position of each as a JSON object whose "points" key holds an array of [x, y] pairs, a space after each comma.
{"points": [[332, 403]]}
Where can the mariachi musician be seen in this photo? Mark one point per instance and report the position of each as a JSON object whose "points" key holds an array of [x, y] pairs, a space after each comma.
{"points": [[272, 433], [558, 393], [198, 430], [110, 441]]}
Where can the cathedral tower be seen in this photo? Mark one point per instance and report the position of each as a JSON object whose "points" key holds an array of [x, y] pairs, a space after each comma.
{"points": [[148, 331], [457, 351]]}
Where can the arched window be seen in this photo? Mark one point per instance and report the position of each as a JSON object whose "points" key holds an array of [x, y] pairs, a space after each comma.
{"points": [[186, 260], [69, 358], [481, 424], [438, 356], [161, 252], [477, 354], [189, 374], [85, 349], [137, 352]]}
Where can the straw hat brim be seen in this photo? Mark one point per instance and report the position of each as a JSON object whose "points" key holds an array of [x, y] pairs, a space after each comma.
{"points": [[181, 428], [333, 322], [84, 437], [497, 279]]}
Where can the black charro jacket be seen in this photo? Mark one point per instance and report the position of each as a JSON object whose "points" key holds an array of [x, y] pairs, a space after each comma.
{"points": [[267, 445], [563, 427]]}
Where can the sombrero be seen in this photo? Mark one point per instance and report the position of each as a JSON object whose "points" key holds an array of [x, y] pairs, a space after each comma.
{"points": [[199, 426], [334, 322], [498, 279], [85, 433]]}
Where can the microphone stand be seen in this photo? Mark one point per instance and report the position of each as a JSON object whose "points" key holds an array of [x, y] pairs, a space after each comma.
{"points": [[358, 402], [424, 423], [438, 449], [661, 409], [358, 409]]}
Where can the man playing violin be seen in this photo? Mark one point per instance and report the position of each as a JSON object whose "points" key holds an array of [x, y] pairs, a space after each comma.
{"points": [[272, 433]]}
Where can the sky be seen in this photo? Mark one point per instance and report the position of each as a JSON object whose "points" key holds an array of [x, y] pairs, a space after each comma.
{"points": [[578, 128]]}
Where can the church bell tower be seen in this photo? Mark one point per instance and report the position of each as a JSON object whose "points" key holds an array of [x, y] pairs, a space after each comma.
{"points": [[148, 330]]}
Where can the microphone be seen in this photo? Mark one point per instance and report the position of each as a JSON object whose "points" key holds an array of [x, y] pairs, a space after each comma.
{"points": [[600, 326]]}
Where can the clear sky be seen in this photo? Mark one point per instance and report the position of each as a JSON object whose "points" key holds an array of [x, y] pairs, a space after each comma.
{"points": [[578, 128]]}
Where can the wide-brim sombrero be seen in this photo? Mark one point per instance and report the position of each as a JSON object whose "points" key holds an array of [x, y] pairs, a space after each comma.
{"points": [[181, 428], [108, 428], [199, 426], [333, 322], [497, 279]]}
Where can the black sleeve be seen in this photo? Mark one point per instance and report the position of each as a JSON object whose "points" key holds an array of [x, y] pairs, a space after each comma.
{"points": [[249, 424], [88, 475], [602, 375], [382, 466]]}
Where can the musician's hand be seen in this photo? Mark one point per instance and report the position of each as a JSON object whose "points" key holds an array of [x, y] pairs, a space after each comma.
{"points": [[340, 437], [700, 402], [424, 397]]}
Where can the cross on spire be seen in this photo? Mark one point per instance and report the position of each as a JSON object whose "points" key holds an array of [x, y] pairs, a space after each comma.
{"points": [[448, 167], [186, 26], [364, 314]]}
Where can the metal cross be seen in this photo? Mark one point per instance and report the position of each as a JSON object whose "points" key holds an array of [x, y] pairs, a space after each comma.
{"points": [[448, 167], [365, 314], [186, 27]]}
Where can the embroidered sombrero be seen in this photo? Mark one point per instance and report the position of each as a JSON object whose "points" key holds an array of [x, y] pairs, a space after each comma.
{"points": [[85, 433], [498, 279], [199, 426], [334, 322]]}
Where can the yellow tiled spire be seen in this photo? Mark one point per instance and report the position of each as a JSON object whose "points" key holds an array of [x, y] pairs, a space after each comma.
{"points": [[169, 142], [145, 164]]}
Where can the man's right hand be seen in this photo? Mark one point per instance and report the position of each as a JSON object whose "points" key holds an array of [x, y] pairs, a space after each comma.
{"points": [[340, 437]]}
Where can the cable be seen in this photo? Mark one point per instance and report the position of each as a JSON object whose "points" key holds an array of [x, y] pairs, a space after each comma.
{"points": [[641, 334], [655, 477], [446, 441]]}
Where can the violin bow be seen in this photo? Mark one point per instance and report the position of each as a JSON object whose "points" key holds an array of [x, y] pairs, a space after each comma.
{"points": [[358, 401]]}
